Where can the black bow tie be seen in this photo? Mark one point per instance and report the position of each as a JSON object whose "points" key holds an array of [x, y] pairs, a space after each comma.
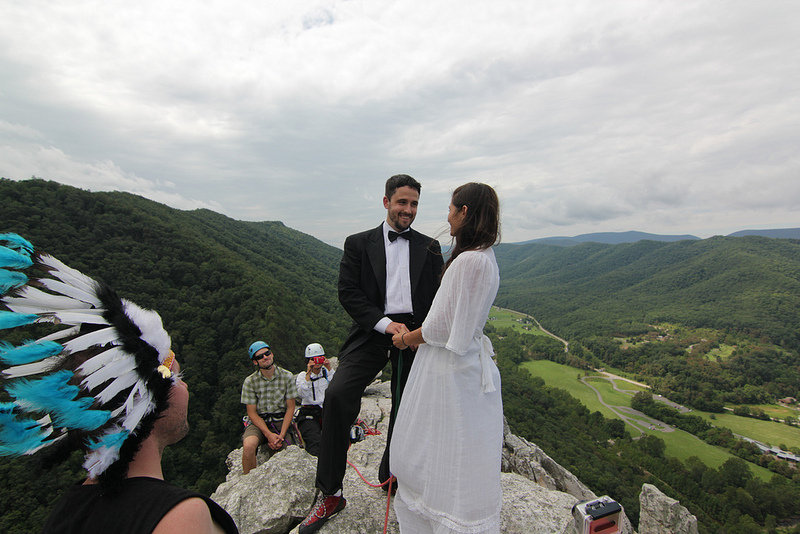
{"points": [[394, 235]]}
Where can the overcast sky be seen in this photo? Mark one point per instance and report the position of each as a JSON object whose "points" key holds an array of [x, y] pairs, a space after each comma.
{"points": [[671, 117]]}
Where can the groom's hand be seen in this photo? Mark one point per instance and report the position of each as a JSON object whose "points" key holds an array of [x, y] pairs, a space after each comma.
{"points": [[396, 328]]}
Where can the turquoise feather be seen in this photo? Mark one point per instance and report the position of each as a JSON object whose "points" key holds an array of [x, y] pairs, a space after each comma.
{"points": [[17, 242], [18, 436], [14, 259], [112, 441], [30, 351], [54, 395], [12, 320], [10, 280]]}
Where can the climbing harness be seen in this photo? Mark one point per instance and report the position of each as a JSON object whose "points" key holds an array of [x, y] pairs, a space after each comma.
{"points": [[313, 379]]}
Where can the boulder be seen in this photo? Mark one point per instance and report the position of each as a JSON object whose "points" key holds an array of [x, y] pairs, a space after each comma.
{"points": [[527, 459], [660, 514], [273, 497], [538, 494]]}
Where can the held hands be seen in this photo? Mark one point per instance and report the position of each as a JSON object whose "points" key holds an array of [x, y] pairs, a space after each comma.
{"points": [[275, 441], [399, 340], [400, 336], [396, 328]]}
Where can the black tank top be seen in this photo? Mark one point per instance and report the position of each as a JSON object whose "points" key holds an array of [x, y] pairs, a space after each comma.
{"points": [[135, 509]]}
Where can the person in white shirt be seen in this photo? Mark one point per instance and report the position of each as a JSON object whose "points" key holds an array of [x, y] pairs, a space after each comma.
{"points": [[311, 386], [387, 279]]}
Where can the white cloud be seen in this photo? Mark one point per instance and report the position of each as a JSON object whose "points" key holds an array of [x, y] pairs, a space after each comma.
{"points": [[585, 115], [54, 164]]}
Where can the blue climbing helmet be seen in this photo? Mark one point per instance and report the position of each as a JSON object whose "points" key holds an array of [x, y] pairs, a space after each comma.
{"points": [[255, 347]]}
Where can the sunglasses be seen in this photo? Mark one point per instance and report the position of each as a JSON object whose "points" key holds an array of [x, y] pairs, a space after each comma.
{"points": [[264, 355]]}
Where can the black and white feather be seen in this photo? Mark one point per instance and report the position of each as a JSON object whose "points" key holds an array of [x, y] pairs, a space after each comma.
{"points": [[102, 373]]}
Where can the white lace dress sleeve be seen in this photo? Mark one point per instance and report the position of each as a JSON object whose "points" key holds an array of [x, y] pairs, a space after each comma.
{"points": [[461, 306]]}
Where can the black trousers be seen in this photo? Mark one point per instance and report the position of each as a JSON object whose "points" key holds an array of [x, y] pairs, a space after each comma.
{"points": [[309, 422], [356, 371]]}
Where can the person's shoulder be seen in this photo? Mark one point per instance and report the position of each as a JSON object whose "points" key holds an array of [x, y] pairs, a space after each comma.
{"points": [[369, 233], [426, 240], [249, 378], [419, 235], [474, 258], [253, 375], [283, 372], [483, 254], [189, 515]]}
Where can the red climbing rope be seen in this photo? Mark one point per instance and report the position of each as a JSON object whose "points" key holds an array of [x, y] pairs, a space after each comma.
{"points": [[372, 432]]}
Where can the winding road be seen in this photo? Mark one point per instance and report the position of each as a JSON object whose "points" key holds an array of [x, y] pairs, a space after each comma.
{"points": [[634, 418]]}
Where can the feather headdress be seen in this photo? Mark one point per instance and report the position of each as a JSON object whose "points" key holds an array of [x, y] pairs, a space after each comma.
{"points": [[103, 374]]}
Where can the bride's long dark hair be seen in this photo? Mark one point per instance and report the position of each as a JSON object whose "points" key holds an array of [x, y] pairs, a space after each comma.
{"points": [[481, 226]]}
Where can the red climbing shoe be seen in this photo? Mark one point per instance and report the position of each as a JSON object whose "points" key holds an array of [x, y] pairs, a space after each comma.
{"points": [[328, 507]]}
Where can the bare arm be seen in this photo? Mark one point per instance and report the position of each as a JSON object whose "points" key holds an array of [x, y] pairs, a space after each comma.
{"points": [[287, 418], [188, 517]]}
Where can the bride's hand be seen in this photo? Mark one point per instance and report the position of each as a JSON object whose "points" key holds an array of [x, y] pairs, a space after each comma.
{"points": [[397, 340]]}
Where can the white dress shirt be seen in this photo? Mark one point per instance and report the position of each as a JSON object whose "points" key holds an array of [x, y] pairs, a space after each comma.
{"points": [[398, 278]]}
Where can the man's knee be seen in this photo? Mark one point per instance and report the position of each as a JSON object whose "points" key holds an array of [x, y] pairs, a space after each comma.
{"points": [[250, 445]]}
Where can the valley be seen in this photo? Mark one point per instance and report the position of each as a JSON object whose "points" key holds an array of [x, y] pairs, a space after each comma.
{"points": [[610, 393]]}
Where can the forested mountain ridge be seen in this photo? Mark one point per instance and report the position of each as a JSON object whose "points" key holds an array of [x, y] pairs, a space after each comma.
{"points": [[218, 284], [745, 284]]}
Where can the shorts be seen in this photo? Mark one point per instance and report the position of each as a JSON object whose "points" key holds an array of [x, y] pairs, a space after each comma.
{"points": [[253, 430]]}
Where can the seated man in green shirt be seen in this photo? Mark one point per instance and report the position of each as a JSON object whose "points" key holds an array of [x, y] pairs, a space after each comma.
{"points": [[269, 394]]}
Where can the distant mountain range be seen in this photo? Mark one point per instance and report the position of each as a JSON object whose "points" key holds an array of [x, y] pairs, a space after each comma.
{"points": [[616, 238], [779, 233]]}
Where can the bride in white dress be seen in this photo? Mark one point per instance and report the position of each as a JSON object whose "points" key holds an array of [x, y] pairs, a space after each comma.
{"points": [[446, 446]]}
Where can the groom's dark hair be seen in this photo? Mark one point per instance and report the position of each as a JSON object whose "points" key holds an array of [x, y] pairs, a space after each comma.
{"points": [[401, 180]]}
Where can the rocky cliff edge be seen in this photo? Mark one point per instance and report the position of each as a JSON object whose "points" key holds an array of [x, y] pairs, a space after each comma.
{"points": [[538, 494]]}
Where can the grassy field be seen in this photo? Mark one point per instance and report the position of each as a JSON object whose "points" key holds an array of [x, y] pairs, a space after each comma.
{"points": [[679, 444], [722, 352], [776, 410], [764, 431], [503, 318], [610, 395]]}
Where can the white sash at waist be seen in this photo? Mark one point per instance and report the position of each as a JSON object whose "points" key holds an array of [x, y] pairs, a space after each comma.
{"points": [[487, 365]]}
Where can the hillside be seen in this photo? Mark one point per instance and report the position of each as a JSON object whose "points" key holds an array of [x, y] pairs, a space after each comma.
{"points": [[218, 284], [746, 284]]}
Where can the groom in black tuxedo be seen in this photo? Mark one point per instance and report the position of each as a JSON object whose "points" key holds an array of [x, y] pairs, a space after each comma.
{"points": [[387, 279]]}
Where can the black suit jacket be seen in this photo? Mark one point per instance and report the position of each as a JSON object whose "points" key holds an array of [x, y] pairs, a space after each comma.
{"points": [[362, 280]]}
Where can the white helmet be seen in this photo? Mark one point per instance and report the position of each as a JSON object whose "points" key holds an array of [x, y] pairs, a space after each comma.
{"points": [[314, 349]]}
